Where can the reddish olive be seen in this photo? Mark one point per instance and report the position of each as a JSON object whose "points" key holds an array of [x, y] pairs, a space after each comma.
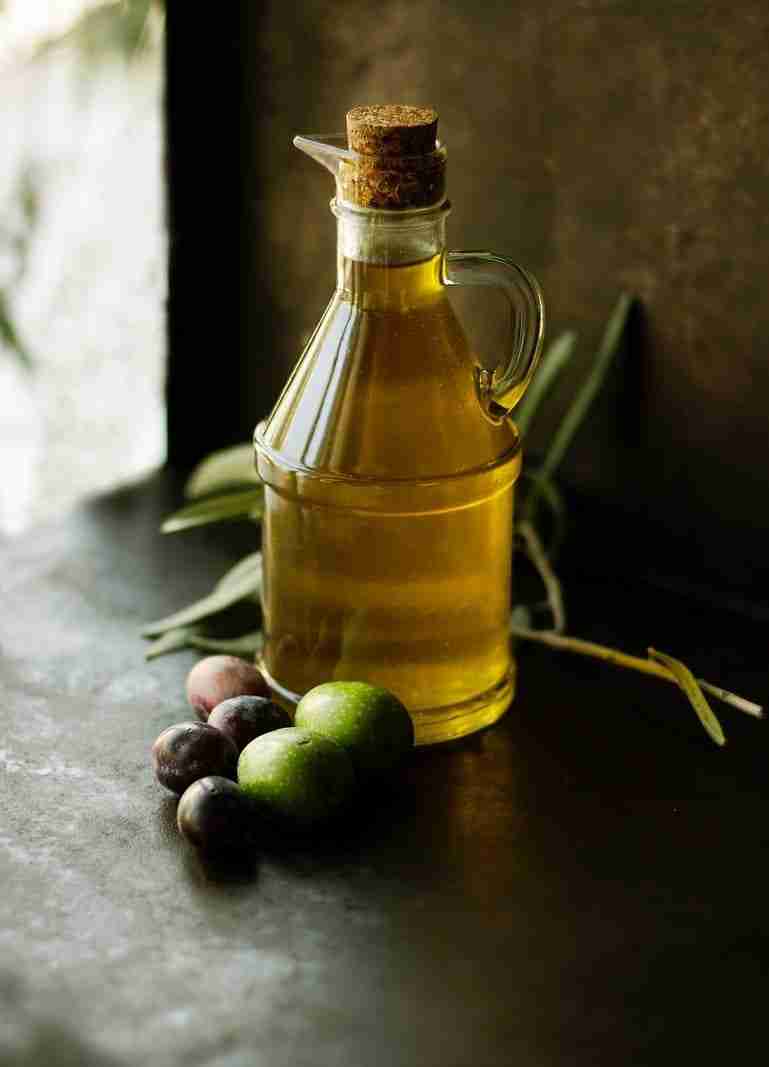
{"points": [[217, 678]]}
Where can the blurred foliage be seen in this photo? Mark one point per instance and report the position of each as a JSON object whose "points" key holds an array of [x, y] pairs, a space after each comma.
{"points": [[120, 27], [123, 28], [117, 27], [29, 198], [9, 339], [15, 238]]}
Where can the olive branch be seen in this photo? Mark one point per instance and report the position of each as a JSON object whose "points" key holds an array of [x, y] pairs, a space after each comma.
{"points": [[225, 487]]}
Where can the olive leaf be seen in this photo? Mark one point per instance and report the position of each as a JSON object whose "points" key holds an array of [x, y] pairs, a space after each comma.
{"points": [[229, 468], [249, 566], [572, 420], [171, 641], [193, 637], [580, 406], [555, 358], [246, 584], [616, 658], [246, 645], [690, 687], [247, 504]]}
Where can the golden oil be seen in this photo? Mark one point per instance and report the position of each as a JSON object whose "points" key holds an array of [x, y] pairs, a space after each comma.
{"points": [[388, 507]]}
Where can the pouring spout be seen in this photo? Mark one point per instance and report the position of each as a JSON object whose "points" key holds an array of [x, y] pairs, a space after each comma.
{"points": [[330, 150]]}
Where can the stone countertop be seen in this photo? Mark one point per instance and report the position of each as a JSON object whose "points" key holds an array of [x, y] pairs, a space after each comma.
{"points": [[585, 883]]}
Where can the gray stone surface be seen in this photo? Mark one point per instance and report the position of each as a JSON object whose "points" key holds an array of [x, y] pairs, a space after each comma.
{"points": [[584, 884]]}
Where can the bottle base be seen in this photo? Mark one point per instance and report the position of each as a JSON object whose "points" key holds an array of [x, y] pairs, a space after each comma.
{"points": [[434, 725]]}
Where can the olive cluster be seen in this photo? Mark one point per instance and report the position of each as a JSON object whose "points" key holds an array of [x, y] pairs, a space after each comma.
{"points": [[296, 778], [198, 760]]}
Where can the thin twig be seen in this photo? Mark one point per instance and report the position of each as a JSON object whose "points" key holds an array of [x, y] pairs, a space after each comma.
{"points": [[635, 663], [536, 553], [545, 492], [732, 699]]}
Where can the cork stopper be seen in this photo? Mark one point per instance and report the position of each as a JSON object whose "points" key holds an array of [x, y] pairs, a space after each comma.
{"points": [[392, 130], [398, 163]]}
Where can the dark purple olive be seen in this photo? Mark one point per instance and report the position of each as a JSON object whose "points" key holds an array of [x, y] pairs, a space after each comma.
{"points": [[217, 678], [244, 718], [215, 815], [191, 750]]}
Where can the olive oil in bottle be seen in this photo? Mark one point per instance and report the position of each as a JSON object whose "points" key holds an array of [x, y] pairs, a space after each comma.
{"points": [[389, 463]]}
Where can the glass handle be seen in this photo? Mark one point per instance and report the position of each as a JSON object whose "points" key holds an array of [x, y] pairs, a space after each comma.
{"points": [[501, 389]]}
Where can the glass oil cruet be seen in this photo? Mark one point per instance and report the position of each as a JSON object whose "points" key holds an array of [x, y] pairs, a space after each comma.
{"points": [[390, 460]]}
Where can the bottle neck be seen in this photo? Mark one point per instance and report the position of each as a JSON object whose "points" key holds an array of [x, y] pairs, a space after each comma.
{"points": [[388, 259]]}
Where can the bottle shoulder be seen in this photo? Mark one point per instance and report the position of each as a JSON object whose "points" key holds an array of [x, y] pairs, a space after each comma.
{"points": [[386, 393]]}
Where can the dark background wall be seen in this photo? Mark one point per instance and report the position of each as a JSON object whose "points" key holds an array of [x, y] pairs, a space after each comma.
{"points": [[607, 146]]}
